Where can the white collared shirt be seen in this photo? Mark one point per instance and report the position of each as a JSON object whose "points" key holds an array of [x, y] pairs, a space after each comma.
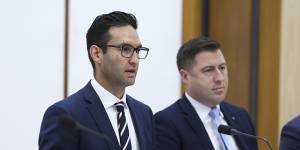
{"points": [[108, 100], [203, 111]]}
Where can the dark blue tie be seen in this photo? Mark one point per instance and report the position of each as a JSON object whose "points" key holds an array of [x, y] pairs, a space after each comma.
{"points": [[123, 127]]}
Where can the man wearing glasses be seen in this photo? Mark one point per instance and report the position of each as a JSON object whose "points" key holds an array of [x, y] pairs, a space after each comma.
{"points": [[114, 50]]}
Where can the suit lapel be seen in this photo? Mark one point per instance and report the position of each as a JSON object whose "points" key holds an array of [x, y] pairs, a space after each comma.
{"points": [[137, 119], [233, 120], [98, 113], [195, 122], [229, 116]]}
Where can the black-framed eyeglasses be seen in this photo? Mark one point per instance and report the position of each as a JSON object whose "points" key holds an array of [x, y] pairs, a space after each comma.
{"points": [[127, 50]]}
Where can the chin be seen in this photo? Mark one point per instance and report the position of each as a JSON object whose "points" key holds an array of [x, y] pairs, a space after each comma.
{"points": [[220, 97], [219, 100], [129, 83]]}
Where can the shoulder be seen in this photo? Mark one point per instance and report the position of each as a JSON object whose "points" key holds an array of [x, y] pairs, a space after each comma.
{"points": [[67, 106], [233, 109], [76, 99], [295, 122], [290, 135], [172, 112], [293, 125], [168, 119], [135, 102], [132, 101], [52, 134], [139, 107], [69, 103], [232, 106], [173, 108]]}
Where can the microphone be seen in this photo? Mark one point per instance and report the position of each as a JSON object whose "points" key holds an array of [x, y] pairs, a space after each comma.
{"points": [[231, 131], [68, 122]]}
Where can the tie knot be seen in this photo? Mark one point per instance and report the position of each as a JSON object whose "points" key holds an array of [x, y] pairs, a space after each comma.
{"points": [[120, 106], [214, 113]]}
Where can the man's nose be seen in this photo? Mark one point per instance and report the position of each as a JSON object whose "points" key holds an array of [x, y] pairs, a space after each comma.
{"points": [[219, 75], [134, 59]]}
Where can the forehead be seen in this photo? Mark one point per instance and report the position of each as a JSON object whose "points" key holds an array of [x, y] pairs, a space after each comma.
{"points": [[209, 58], [124, 34]]}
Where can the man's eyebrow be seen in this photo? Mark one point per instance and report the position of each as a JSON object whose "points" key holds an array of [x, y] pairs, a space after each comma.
{"points": [[213, 66], [224, 63], [208, 67], [125, 43]]}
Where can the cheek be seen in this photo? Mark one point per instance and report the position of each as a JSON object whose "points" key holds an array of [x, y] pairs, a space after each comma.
{"points": [[226, 75], [117, 67], [111, 65], [226, 79], [200, 84], [113, 62], [204, 80]]}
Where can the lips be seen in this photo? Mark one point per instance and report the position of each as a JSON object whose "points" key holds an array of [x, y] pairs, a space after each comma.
{"points": [[131, 72], [218, 90]]}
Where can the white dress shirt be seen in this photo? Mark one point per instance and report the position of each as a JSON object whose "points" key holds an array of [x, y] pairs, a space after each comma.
{"points": [[203, 111], [108, 100]]}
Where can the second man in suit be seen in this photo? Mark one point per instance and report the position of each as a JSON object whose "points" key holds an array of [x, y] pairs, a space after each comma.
{"points": [[191, 122]]}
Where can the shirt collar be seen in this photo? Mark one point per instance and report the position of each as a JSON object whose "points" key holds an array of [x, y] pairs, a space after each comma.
{"points": [[108, 99], [201, 109]]}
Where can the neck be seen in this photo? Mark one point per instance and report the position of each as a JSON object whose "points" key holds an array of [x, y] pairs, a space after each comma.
{"points": [[202, 100], [114, 89]]}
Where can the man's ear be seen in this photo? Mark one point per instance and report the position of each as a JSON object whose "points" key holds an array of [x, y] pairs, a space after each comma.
{"points": [[96, 53], [184, 74]]}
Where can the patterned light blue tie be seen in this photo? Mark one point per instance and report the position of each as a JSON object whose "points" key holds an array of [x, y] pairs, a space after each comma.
{"points": [[123, 127], [216, 118]]}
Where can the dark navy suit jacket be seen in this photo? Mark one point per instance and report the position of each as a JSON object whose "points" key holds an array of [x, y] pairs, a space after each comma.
{"points": [[178, 127], [290, 135], [86, 108]]}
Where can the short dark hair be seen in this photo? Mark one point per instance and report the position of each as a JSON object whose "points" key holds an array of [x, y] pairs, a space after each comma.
{"points": [[98, 31], [188, 51]]}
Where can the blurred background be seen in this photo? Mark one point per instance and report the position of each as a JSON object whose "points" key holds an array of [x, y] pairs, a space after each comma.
{"points": [[44, 58]]}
